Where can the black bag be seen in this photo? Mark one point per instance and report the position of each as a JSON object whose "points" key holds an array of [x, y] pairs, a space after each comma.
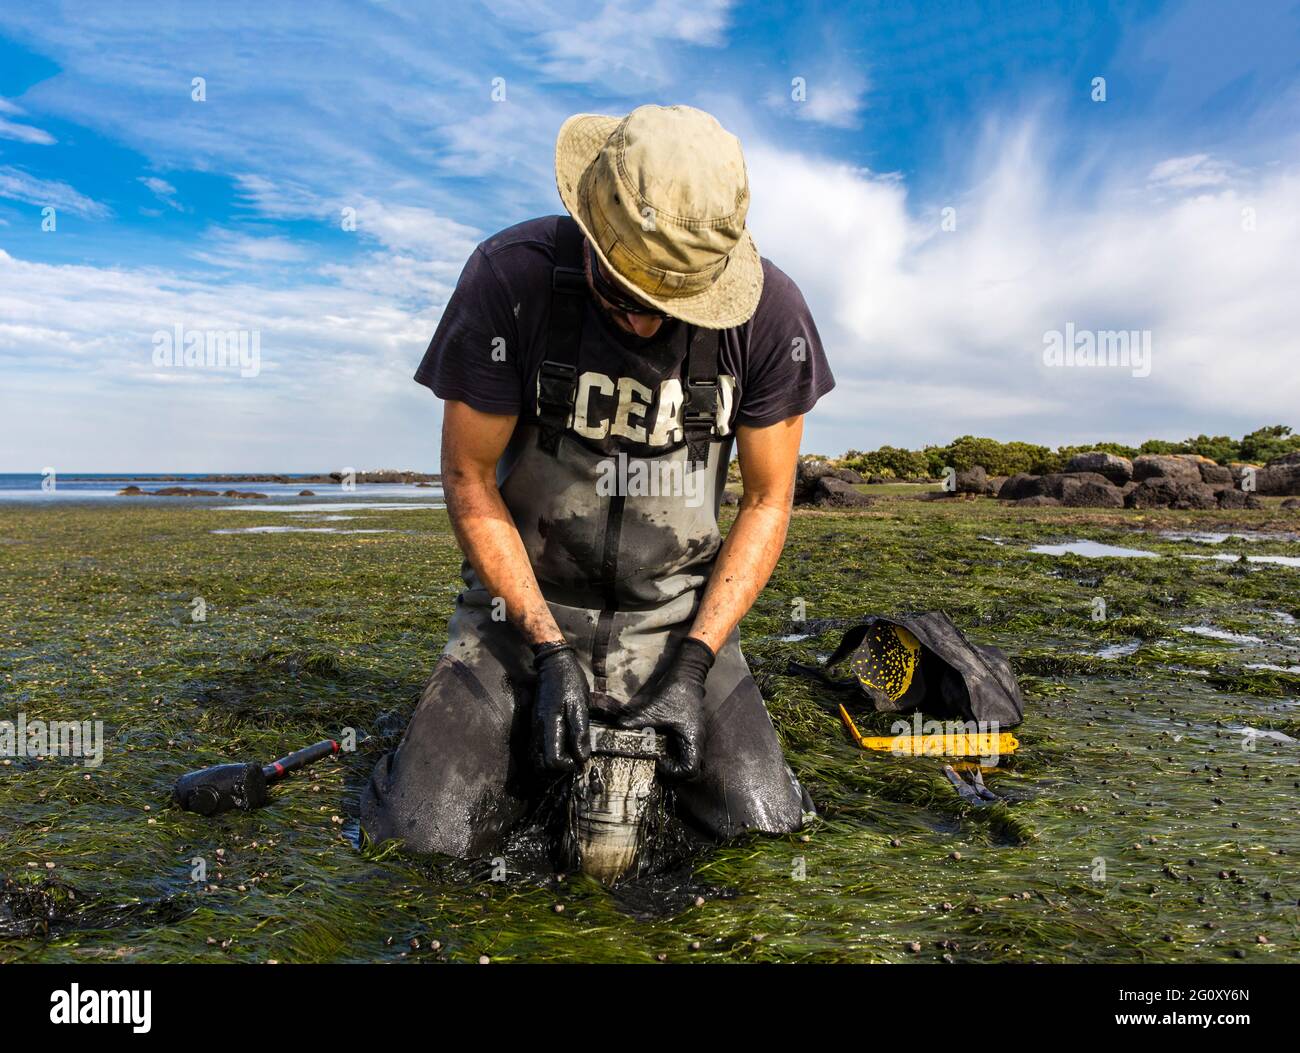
{"points": [[924, 662]]}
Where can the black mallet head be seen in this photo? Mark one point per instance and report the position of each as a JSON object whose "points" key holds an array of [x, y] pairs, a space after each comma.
{"points": [[215, 790], [244, 786]]}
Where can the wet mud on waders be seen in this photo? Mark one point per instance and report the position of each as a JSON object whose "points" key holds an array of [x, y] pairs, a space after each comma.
{"points": [[622, 573]]}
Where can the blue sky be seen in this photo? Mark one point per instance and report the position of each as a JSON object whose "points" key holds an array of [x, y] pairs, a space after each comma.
{"points": [[1169, 207]]}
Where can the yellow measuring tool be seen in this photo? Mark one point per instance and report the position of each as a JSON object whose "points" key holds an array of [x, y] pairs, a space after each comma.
{"points": [[951, 744]]}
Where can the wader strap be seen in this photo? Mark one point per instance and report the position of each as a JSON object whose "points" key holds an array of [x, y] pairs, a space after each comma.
{"points": [[850, 642], [557, 378], [700, 405]]}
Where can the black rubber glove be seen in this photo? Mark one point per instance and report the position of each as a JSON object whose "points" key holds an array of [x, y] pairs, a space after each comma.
{"points": [[560, 732], [676, 706]]}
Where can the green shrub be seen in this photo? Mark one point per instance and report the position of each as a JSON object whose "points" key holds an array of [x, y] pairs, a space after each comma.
{"points": [[888, 461], [1008, 458]]}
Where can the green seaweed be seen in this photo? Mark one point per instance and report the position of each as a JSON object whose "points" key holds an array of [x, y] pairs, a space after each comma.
{"points": [[1137, 823]]}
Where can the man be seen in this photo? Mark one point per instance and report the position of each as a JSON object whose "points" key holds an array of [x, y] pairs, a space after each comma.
{"points": [[595, 371]]}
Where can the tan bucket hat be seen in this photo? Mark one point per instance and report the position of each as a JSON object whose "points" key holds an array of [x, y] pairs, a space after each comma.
{"points": [[662, 194]]}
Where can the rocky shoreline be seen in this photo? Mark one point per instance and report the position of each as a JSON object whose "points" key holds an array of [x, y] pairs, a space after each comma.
{"points": [[1093, 479], [1105, 480], [385, 475]]}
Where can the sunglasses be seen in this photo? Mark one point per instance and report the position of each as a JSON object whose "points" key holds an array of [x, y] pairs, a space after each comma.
{"points": [[614, 295]]}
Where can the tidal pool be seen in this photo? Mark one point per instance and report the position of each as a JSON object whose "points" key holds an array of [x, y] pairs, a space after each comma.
{"points": [[1093, 550], [294, 530]]}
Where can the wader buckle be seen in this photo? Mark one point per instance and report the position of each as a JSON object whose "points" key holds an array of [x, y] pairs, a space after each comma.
{"points": [[570, 280], [700, 420], [557, 384]]}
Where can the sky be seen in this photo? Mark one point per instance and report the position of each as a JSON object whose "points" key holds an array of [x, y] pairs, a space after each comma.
{"points": [[955, 187]]}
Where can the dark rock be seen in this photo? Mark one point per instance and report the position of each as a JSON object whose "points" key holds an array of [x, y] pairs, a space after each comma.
{"points": [[312, 493], [1215, 475], [130, 491], [1292, 503], [183, 491], [243, 495], [878, 480], [973, 481], [383, 475], [806, 475], [1061, 484], [730, 497], [1230, 498], [1092, 495], [1176, 468], [1119, 470], [1020, 486], [1037, 501], [1278, 480], [1163, 492], [1286, 459], [829, 492]]}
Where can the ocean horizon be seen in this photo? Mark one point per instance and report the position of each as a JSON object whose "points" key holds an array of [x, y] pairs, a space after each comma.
{"points": [[64, 486]]}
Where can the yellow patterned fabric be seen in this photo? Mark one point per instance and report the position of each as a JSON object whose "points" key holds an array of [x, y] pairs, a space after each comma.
{"points": [[887, 660]]}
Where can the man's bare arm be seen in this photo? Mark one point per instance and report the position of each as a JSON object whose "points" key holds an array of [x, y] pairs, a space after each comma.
{"points": [[472, 442], [753, 546]]}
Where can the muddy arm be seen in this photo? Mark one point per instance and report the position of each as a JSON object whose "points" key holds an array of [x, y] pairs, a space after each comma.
{"points": [[472, 442], [753, 546]]}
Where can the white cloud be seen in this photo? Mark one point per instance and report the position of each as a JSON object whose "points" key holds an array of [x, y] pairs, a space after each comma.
{"points": [[339, 343], [933, 334], [23, 133], [163, 191], [834, 98], [337, 353], [22, 186], [620, 45], [1193, 172], [238, 249]]}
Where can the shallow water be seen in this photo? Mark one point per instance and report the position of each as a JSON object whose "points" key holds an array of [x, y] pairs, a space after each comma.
{"points": [[1281, 561], [1220, 634], [64, 487], [1097, 550], [336, 506], [1212, 537], [1092, 550], [1117, 650], [294, 530]]}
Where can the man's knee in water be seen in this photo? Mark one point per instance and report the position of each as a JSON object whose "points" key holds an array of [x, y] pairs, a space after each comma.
{"points": [[422, 805]]}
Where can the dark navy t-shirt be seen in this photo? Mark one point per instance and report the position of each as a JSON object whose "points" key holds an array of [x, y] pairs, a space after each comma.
{"points": [[492, 339]]}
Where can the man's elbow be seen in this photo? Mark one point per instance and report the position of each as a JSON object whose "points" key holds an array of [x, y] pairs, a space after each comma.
{"points": [[468, 490], [775, 500]]}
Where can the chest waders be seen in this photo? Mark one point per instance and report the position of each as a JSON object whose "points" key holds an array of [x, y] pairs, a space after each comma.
{"points": [[618, 516]]}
